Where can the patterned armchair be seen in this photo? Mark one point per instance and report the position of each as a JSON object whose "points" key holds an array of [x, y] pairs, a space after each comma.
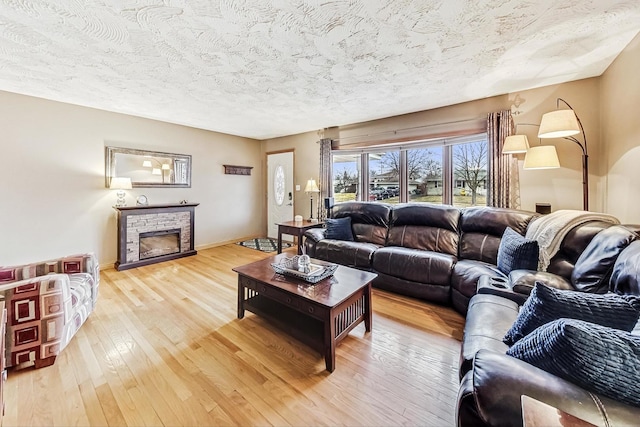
{"points": [[46, 303]]}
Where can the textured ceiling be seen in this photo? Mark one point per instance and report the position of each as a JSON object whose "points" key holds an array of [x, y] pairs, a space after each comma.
{"points": [[265, 68]]}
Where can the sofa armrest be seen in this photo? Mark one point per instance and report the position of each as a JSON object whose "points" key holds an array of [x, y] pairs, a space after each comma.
{"points": [[490, 394], [315, 234], [38, 307], [522, 281]]}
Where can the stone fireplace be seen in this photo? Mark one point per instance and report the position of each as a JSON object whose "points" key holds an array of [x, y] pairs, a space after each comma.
{"points": [[150, 234]]}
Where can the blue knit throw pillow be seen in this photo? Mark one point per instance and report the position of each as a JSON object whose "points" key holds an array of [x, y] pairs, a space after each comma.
{"points": [[597, 358], [517, 252], [339, 229], [546, 304]]}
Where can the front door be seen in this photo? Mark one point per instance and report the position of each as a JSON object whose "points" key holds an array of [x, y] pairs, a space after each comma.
{"points": [[279, 190]]}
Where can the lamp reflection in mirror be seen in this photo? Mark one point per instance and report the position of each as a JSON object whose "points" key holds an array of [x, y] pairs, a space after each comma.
{"points": [[564, 124], [120, 184], [310, 188]]}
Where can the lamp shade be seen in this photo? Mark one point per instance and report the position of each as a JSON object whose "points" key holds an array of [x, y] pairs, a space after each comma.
{"points": [[515, 144], [541, 157], [559, 124], [156, 171], [120, 183], [166, 167], [146, 164], [311, 187]]}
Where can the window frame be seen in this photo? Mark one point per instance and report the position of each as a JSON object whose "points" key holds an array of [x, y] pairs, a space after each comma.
{"points": [[448, 172]]}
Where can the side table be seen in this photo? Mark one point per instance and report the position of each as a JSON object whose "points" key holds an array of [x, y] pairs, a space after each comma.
{"points": [[297, 229], [539, 414]]}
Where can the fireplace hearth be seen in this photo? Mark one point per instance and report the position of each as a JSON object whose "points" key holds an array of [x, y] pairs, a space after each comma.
{"points": [[154, 233]]}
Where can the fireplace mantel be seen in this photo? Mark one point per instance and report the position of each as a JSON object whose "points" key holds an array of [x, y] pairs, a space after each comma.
{"points": [[135, 220]]}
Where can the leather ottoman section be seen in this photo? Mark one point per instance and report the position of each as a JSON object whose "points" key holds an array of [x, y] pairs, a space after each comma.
{"points": [[497, 382], [350, 254], [425, 291], [488, 319], [414, 265]]}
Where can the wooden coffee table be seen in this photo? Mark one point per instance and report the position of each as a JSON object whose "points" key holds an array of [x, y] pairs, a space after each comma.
{"points": [[319, 315]]}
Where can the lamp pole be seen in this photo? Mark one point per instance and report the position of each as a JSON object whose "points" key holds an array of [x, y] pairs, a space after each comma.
{"points": [[585, 156]]}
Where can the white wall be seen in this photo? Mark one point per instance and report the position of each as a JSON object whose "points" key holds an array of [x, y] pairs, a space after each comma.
{"points": [[53, 199], [620, 112]]}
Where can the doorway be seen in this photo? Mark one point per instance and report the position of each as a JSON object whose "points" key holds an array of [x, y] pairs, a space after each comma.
{"points": [[279, 190]]}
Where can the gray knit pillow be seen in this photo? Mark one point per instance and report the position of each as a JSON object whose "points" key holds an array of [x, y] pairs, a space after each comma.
{"points": [[516, 252], [597, 358], [546, 304]]}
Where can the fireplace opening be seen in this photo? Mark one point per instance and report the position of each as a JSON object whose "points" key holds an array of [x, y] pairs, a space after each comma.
{"points": [[158, 243]]}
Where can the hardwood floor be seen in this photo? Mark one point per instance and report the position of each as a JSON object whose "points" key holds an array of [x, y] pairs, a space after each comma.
{"points": [[164, 347]]}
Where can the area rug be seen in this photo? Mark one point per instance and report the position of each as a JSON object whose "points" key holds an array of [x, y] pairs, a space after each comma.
{"points": [[265, 244]]}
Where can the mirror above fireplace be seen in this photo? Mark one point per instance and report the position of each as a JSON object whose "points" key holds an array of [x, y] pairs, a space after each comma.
{"points": [[147, 168]]}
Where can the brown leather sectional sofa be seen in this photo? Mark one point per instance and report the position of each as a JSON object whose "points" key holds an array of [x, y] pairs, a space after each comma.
{"points": [[439, 253], [427, 251]]}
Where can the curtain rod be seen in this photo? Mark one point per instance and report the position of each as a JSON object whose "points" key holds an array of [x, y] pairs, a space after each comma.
{"points": [[394, 132]]}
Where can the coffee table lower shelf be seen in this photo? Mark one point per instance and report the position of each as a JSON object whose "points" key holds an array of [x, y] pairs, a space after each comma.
{"points": [[305, 329], [317, 325]]}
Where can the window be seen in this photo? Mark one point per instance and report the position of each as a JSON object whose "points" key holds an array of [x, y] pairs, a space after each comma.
{"points": [[470, 172], [346, 176], [384, 175], [450, 170], [424, 180]]}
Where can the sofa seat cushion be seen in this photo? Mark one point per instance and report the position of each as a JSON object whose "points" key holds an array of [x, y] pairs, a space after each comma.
{"points": [[350, 254], [600, 359], [489, 317], [414, 265], [547, 304]]}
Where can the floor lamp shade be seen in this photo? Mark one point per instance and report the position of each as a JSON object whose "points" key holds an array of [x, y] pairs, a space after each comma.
{"points": [[559, 124], [541, 157], [514, 144]]}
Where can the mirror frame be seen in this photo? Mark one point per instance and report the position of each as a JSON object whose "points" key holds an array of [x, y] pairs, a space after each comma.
{"points": [[110, 166]]}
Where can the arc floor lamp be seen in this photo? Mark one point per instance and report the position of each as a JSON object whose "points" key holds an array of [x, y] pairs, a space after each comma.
{"points": [[561, 123], [564, 124]]}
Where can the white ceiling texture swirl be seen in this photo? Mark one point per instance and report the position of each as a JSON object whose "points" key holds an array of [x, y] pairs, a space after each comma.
{"points": [[266, 68]]}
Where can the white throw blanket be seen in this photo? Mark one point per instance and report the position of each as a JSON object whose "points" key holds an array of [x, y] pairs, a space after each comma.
{"points": [[550, 230]]}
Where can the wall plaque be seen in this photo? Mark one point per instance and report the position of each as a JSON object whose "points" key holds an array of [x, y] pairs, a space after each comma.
{"points": [[237, 170]]}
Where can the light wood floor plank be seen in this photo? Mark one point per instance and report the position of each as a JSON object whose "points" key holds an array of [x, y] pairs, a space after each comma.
{"points": [[164, 348]]}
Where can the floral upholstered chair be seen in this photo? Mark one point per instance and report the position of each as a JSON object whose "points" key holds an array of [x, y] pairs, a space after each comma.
{"points": [[46, 303]]}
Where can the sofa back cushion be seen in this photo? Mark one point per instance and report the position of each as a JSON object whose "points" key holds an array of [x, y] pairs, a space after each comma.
{"points": [[483, 227], [369, 221], [625, 278], [593, 268], [425, 226], [572, 247]]}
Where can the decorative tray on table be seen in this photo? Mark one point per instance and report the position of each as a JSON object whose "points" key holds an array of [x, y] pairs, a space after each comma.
{"points": [[314, 274]]}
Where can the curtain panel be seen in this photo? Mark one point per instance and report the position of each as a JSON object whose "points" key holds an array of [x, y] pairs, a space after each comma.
{"points": [[503, 168], [326, 188]]}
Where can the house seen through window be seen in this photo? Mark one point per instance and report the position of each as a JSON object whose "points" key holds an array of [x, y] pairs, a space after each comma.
{"points": [[451, 171]]}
